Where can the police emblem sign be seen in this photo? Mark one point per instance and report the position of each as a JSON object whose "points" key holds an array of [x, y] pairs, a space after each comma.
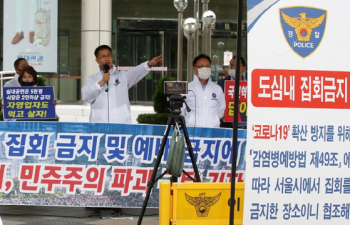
{"points": [[303, 28], [297, 166]]}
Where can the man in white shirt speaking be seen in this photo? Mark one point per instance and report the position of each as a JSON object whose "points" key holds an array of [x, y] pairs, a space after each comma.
{"points": [[107, 90], [205, 98]]}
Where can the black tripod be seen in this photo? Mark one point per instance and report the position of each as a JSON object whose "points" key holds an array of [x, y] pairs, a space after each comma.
{"points": [[176, 102]]}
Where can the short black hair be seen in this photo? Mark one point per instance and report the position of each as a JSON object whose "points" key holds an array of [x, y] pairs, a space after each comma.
{"points": [[201, 56], [242, 60], [101, 47], [17, 62]]}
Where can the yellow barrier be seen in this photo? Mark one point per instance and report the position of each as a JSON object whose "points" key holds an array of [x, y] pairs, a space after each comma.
{"points": [[199, 203]]}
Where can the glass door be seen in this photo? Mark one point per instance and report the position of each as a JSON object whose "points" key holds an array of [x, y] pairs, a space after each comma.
{"points": [[134, 48]]}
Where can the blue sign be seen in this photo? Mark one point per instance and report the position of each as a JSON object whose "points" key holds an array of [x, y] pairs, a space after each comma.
{"points": [[303, 28], [29, 103], [102, 165]]}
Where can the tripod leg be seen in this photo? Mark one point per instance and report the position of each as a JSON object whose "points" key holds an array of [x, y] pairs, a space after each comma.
{"points": [[190, 150], [173, 179], [156, 166]]}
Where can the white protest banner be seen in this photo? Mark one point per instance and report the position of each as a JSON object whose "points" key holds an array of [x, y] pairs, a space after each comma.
{"points": [[298, 157], [30, 32]]}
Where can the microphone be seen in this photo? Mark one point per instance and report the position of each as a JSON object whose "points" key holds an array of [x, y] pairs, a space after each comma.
{"points": [[105, 69]]}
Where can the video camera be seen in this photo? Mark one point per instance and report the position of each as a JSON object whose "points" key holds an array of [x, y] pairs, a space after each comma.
{"points": [[175, 88]]}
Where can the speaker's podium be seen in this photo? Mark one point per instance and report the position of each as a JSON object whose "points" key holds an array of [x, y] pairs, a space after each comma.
{"points": [[199, 203]]}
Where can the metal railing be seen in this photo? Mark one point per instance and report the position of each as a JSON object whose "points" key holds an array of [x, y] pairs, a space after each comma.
{"points": [[2, 78]]}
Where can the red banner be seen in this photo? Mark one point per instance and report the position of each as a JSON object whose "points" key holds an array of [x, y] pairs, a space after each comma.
{"points": [[230, 98], [300, 89]]}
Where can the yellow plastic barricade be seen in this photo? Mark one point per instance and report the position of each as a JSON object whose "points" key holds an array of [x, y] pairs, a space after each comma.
{"points": [[199, 203]]}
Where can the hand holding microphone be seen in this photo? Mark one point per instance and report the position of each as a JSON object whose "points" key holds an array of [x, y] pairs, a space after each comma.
{"points": [[105, 69]]}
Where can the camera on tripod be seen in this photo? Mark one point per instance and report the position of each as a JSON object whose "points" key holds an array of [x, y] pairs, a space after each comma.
{"points": [[175, 88]]}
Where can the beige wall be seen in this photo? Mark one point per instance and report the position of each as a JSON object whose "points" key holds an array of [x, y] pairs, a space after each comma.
{"points": [[70, 14], [69, 17]]}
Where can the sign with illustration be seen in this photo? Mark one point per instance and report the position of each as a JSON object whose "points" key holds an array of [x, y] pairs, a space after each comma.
{"points": [[30, 32], [298, 129], [200, 203], [303, 28]]}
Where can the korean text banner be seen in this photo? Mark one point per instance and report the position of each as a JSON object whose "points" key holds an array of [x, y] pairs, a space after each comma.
{"points": [[30, 32], [299, 126], [101, 165], [230, 100], [29, 103]]}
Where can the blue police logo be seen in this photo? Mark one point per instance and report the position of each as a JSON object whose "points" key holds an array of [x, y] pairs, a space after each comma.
{"points": [[213, 95], [303, 28]]}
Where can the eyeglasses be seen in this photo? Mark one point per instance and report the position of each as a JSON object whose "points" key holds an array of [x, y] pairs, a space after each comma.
{"points": [[105, 56], [200, 67]]}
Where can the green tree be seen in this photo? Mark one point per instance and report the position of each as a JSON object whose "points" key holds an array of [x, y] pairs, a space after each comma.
{"points": [[160, 105], [41, 81], [160, 102]]}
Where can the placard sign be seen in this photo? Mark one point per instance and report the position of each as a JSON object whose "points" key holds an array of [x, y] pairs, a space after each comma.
{"points": [[28, 103], [298, 132], [230, 100], [30, 32], [101, 164]]}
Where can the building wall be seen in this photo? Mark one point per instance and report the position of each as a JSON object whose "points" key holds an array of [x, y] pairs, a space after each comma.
{"points": [[224, 9], [69, 21]]}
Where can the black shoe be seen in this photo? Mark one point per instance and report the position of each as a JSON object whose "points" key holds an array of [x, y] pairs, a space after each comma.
{"points": [[95, 212], [117, 212]]}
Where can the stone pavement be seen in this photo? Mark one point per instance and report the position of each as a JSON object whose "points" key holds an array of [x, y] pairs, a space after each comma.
{"points": [[50, 215]]}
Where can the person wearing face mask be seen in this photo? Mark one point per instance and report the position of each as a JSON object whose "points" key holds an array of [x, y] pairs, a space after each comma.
{"points": [[232, 73], [107, 90], [28, 77], [19, 65], [205, 98]]}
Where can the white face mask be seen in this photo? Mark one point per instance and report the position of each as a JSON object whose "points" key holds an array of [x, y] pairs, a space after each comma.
{"points": [[204, 73], [232, 73]]}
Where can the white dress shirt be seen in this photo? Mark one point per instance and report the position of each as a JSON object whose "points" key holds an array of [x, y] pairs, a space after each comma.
{"points": [[112, 106], [207, 104]]}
